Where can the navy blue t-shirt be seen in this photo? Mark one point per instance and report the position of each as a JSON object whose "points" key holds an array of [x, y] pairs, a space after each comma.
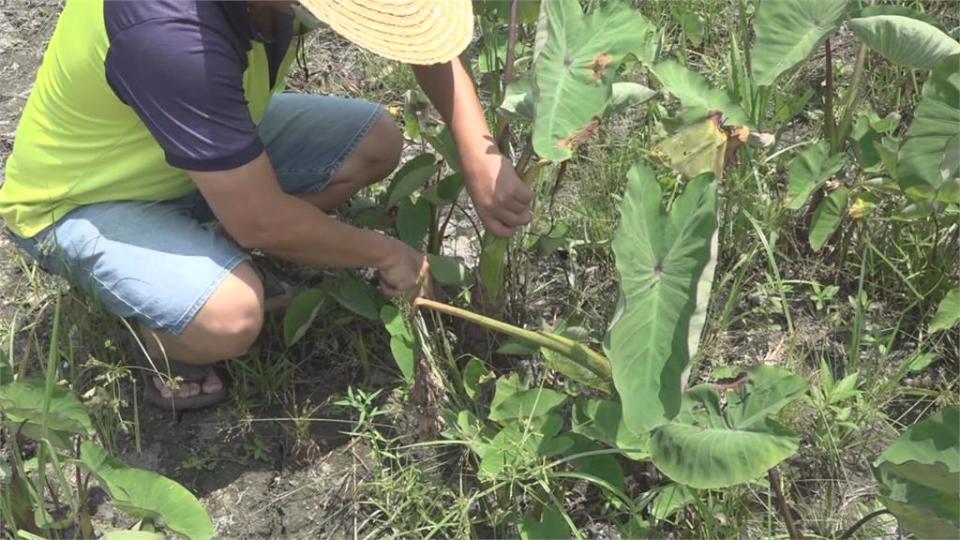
{"points": [[180, 64]]}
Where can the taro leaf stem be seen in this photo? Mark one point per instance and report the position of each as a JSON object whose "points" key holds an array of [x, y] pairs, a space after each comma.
{"points": [[861, 522], [49, 384], [774, 477], [850, 99], [504, 135], [597, 363], [829, 122], [493, 251]]}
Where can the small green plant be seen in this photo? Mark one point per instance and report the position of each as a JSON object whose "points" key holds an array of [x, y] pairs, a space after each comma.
{"points": [[837, 403], [37, 496]]}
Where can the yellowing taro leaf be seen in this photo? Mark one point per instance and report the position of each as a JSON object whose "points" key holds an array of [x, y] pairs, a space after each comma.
{"points": [[701, 148], [573, 74], [694, 149]]}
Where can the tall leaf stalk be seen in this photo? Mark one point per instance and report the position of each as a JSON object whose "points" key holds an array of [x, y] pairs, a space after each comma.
{"points": [[51, 378], [493, 253]]}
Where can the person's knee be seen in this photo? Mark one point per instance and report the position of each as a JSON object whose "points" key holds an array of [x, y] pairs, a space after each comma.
{"points": [[230, 321], [236, 334], [379, 152]]}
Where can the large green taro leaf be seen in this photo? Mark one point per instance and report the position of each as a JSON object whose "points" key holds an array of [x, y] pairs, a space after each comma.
{"points": [[22, 401], [707, 458], [518, 100], [145, 494], [403, 342], [768, 389], [573, 73], [358, 297], [301, 313], [602, 421], [934, 442], [706, 447], [922, 522], [661, 257], [905, 40], [788, 31], [696, 95], [919, 476], [936, 124], [626, 94], [948, 313], [810, 170], [901, 11], [411, 177]]}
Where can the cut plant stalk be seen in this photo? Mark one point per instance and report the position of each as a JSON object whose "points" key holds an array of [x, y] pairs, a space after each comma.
{"points": [[493, 251], [597, 363]]}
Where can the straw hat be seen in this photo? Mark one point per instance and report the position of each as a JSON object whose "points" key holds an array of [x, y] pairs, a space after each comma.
{"points": [[410, 31]]}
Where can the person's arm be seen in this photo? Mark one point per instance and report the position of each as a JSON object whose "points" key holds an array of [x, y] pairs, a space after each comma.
{"points": [[258, 214], [185, 81], [501, 198]]}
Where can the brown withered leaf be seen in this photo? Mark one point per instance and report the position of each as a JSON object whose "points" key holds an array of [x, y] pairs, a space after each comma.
{"points": [[732, 383], [581, 136], [600, 65]]}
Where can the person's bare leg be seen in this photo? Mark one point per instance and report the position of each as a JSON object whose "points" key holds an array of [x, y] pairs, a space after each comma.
{"points": [[225, 327], [231, 319], [372, 160]]}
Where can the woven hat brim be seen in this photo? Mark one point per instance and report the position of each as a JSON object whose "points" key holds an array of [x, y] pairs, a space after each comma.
{"points": [[412, 31]]}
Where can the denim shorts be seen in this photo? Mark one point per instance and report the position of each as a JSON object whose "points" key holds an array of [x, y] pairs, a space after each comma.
{"points": [[159, 262]]}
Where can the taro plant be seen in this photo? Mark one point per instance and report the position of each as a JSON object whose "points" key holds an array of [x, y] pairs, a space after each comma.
{"points": [[704, 437], [38, 498], [919, 476], [570, 87], [921, 164]]}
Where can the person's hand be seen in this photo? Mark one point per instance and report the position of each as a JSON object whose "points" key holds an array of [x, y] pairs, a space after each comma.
{"points": [[501, 198], [405, 272]]}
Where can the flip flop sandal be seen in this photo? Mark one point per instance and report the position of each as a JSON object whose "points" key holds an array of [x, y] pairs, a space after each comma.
{"points": [[189, 373]]}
